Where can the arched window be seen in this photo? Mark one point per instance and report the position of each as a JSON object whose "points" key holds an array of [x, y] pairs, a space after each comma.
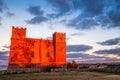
{"points": [[19, 34], [32, 54], [60, 38], [32, 43], [48, 55]]}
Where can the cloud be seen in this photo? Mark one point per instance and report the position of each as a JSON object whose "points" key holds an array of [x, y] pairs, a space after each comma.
{"points": [[6, 46], [92, 13], [77, 55], [84, 24], [104, 21], [74, 34], [3, 55], [114, 13], [2, 6], [64, 6], [68, 38], [35, 10], [10, 14], [38, 15], [89, 13], [83, 56], [77, 34], [78, 48], [115, 51], [86, 58], [88, 7], [110, 42], [37, 20], [106, 14], [4, 62], [61, 7]]}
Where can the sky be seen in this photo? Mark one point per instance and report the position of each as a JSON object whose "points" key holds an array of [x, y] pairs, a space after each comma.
{"points": [[92, 27]]}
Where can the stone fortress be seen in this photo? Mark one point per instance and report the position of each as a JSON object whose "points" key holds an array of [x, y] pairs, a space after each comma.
{"points": [[36, 53]]}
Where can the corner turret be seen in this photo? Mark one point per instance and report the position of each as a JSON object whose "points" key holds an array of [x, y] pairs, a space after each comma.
{"points": [[18, 33], [60, 48]]}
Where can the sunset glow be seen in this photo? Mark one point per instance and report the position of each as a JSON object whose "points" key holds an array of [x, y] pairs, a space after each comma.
{"points": [[92, 27]]}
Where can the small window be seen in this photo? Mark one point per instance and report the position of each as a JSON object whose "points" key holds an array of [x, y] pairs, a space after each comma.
{"points": [[18, 33], [32, 54], [48, 45], [48, 54], [60, 38], [32, 44]]}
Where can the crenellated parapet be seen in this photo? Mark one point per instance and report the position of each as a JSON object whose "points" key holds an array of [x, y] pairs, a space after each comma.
{"points": [[16, 27], [18, 32], [59, 36], [61, 33]]}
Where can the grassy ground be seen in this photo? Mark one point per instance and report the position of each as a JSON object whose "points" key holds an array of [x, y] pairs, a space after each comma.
{"points": [[61, 76]]}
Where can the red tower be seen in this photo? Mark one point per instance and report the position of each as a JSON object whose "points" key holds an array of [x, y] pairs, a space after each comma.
{"points": [[60, 48], [16, 47], [34, 53]]}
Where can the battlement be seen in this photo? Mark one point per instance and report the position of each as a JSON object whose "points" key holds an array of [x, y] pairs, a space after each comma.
{"points": [[18, 32], [20, 28], [59, 33]]}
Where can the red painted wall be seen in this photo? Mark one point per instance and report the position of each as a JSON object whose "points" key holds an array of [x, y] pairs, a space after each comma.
{"points": [[32, 52]]}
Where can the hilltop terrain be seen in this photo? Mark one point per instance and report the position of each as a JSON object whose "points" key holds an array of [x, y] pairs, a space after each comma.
{"points": [[61, 76]]}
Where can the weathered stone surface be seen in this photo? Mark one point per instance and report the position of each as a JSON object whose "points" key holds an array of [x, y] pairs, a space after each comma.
{"points": [[36, 53]]}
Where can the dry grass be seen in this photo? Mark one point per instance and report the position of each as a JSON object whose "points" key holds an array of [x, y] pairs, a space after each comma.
{"points": [[61, 76]]}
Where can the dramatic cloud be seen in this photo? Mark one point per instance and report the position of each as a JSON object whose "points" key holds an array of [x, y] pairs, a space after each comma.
{"points": [[115, 51], [87, 20], [92, 13], [89, 8], [101, 12], [61, 7], [36, 20], [4, 55], [110, 42], [38, 13], [78, 48], [114, 13], [104, 21]]}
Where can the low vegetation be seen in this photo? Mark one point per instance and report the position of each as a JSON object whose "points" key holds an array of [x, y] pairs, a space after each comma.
{"points": [[73, 75], [104, 67], [73, 71]]}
